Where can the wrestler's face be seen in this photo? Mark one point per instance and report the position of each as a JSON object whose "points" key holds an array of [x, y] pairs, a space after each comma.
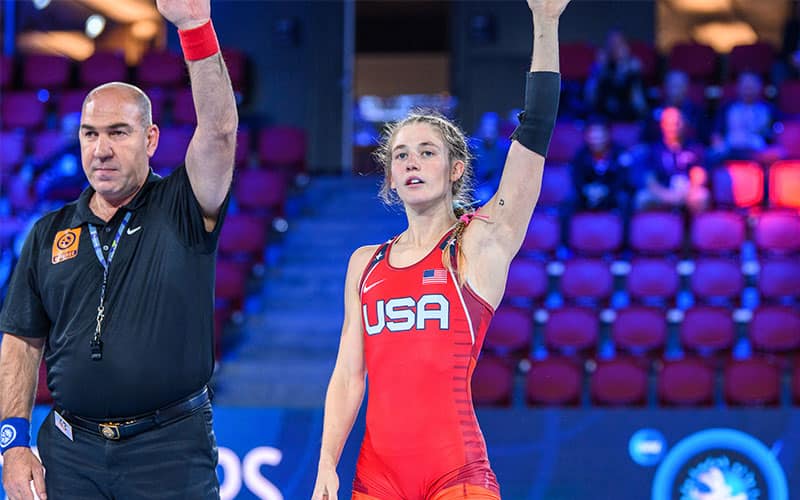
{"points": [[421, 171], [115, 144]]}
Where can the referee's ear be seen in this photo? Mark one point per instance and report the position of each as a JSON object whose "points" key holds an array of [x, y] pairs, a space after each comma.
{"points": [[152, 134]]}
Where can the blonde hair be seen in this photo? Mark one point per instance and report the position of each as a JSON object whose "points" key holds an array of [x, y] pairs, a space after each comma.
{"points": [[455, 142]]}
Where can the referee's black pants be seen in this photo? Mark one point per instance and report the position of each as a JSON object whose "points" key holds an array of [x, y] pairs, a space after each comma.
{"points": [[177, 461]]}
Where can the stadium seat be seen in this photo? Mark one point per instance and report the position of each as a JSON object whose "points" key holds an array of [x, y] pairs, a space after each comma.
{"points": [[751, 382], [571, 329], [707, 330], [161, 69], [566, 141], [554, 380], [696, 60], [648, 57], [716, 278], [586, 279], [640, 331], [595, 233], [527, 280], [510, 331], [652, 279], [230, 283], [686, 382], [718, 232], [775, 329], [656, 233], [70, 101], [183, 107], [543, 235], [242, 146], [778, 232], [102, 67], [46, 143], [779, 278], [492, 381], [243, 238], [789, 138], [757, 58], [738, 183], [260, 192], [557, 186], [236, 62], [618, 382], [6, 71], [12, 151], [283, 148], [784, 184], [796, 384], [43, 396], [22, 109], [44, 71], [789, 98], [576, 59], [172, 146]]}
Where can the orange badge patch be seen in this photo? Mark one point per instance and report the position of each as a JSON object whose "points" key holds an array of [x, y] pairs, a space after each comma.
{"points": [[65, 244]]}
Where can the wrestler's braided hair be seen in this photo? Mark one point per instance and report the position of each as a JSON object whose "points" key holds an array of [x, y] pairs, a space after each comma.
{"points": [[457, 149]]}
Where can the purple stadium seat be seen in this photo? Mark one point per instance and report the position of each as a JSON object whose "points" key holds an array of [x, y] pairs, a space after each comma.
{"points": [[751, 382], [718, 232], [757, 57], [102, 67], [586, 279], [796, 384], [12, 151], [789, 138], [556, 185], [21, 109], [595, 233], [158, 102], [43, 71], [243, 238], [543, 234], [230, 282], [172, 146], [576, 59], [639, 330], [283, 148], [618, 382], [779, 278], [183, 107], [46, 143], [686, 382], [527, 279], [789, 98], [656, 232], [778, 232], [70, 101], [652, 278], [242, 147], [697, 60], [554, 380], [260, 191], [566, 141], [716, 277], [775, 329], [707, 329], [6, 71], [784, 184], [738, 183], [571, 329], [510, 331], [161, 69], [492, 381]]}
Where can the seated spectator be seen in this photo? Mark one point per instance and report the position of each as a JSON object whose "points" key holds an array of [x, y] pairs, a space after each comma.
{"points": [[600, 169], [614, 88], [674, 175], [676, 95], [489, 150], [743, 127]]}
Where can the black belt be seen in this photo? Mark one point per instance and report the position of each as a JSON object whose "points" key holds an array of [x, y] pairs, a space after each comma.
{"points": [[117, 429]]}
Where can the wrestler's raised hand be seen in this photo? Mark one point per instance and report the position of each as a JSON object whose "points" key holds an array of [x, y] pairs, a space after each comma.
{"points": [[547, 8], [185, 14]]}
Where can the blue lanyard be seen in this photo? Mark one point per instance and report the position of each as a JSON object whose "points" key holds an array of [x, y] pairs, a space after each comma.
{"points": [[96, 344]]}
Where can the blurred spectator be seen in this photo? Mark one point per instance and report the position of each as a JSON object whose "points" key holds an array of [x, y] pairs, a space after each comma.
{"points": [[600, 169], [676, 95], [614, 88], [61, 176], [674, 174], [489, 149], [743, 127], [788, 64]]}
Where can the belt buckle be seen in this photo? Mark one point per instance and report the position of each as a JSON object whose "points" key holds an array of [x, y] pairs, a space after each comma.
{"points": [[110, 431]]}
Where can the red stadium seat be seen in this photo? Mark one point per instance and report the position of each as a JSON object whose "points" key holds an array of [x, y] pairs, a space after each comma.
{"points": [[789, 138], [652, 278], [751, 382], [544, 234], [12, 151], [784, 184], [236, 61], [6, 71], [283, 148], [172, 146], [595, 233], [775, 329], [556, 186], [510, 331], [738, 184], [626, 134], [553, 381], [22, 109], [586, 279], [243, 238], [43, 396], [639, 330], [718, 232], [576, 60], [527, 279], [796, 385], [779, 278], [183, 107], [648, 57], [102, 67], [44, 71], [161, 69], [260, 191], [707, 329], [686, 382], [618, 382], [696, 60], [566, 141], [571, 329], [716, 278], [231, 281], [656, 232], [789, 97], [778, 232], [757, 58], [492, 381]]}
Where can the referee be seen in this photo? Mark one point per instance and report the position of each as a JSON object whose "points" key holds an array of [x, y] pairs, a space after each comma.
{"points": [[116, 290]]}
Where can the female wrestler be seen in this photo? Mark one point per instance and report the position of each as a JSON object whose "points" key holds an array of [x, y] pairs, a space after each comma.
{"points": [[417, 307]]}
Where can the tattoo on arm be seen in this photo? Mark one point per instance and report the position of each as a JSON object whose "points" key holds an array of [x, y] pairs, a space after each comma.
{"points": [[502, 202]]}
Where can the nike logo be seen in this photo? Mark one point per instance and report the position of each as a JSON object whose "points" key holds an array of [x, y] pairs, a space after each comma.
{"points": [[132, 230], [368, 288]]}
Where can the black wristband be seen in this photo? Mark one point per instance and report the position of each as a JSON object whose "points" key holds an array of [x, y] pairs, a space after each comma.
{"points": [[537, 120]]}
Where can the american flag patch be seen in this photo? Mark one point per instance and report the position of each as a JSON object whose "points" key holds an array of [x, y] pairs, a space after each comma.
{"points": [[430, 276]]}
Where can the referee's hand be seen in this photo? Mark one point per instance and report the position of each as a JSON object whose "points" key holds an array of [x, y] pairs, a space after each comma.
{"points": [[20, 467]]}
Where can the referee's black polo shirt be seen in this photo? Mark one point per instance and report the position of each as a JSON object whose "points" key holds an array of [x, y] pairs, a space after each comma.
{"points": [[158, 329]]}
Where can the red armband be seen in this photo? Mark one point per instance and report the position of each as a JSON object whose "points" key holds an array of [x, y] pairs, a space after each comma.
{"points": [[199, 43]]}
